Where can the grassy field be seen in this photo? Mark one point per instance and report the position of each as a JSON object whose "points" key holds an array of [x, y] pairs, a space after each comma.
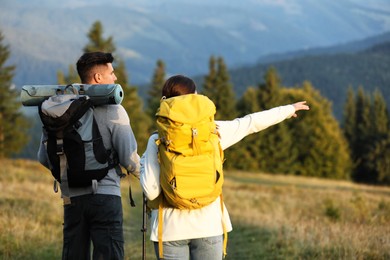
{"points": [[274, 217]]}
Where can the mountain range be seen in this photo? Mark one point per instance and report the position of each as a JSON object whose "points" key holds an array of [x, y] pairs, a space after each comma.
{"points": [[46, 36], [331, 70]]}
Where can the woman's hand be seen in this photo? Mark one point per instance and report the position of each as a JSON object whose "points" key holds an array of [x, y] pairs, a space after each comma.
{"points": [[300, 106]]}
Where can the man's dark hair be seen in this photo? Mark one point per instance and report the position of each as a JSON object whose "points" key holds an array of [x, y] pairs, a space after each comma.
{"points": [[89, 60], [178, 85]]}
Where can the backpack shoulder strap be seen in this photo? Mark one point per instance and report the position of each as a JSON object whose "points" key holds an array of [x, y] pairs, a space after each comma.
{"points": [[63, 175]]}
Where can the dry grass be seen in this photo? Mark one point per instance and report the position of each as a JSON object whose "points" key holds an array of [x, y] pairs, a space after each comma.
{"points": [[31, 214], [30, 224], [305, 218], [274, 217]]}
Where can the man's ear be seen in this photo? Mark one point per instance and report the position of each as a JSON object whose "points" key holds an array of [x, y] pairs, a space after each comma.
{"points": [[97, 77]]}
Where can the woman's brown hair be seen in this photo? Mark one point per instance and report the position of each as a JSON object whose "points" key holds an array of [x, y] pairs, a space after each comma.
{"points": [[178, 85]]}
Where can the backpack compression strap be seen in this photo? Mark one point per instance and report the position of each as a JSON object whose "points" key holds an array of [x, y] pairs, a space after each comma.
{"points": [[225, 236], [160, 230]]}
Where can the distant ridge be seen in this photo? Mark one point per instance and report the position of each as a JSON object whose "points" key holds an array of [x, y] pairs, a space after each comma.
{"points": [[349, 47], [47, 36], [331, 71]]}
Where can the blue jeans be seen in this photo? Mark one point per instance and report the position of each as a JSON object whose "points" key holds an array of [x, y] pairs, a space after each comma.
{"points": [[207, 248], [97, 218]]}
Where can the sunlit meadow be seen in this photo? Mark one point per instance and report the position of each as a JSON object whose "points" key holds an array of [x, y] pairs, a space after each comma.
{"points": [[274, 217]]}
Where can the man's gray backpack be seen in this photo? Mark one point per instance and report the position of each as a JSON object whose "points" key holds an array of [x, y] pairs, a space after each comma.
{"points": [[75, 148]]}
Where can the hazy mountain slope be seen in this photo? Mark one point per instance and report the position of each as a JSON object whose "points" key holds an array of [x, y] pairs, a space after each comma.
{"points": [[46, 36], [332, 74], [349, 47]]}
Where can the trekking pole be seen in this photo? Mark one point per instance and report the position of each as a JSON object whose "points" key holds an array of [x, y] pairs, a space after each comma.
{"points": [[143, 229]]}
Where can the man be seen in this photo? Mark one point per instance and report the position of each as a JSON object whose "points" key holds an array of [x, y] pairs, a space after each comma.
{"points": [[98, 217]]}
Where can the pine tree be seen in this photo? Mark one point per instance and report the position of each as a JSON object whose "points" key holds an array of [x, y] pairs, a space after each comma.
{"points": [[248, 102], [209, 83], [268, 96], [263, 150], [276, 148], [321, 147], [379, 114], [244, 155], [96, 40], [72, 76], [218, 88], [368, 134], [98, 43], [13, 124], [361, 145], [349, 123], [134, 107], [379, 154], [154, 92], [226, 100]]}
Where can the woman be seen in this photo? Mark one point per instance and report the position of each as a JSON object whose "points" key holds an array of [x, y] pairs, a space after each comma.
{"points": [[198, 234]]}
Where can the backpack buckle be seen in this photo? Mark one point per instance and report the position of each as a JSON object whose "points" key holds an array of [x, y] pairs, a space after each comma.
{"points": [[60, 147], [194, 132]]}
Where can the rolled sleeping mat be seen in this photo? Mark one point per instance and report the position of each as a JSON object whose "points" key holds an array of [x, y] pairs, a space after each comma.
{"points": [[102, 94]]}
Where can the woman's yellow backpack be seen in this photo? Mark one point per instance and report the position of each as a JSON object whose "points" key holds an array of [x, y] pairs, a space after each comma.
{"points": [[191, 174], [190, 156]]}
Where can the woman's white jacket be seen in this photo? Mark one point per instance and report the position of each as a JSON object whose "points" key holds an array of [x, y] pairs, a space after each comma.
{"points": [[206, 221]]}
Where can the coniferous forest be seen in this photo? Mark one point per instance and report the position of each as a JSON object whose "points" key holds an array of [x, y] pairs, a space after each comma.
{"points": [[355, 146]]}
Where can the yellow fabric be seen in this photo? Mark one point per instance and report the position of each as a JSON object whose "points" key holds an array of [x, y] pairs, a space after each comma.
{"points": [[225, 235], [160, 224], [191, 174]]}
